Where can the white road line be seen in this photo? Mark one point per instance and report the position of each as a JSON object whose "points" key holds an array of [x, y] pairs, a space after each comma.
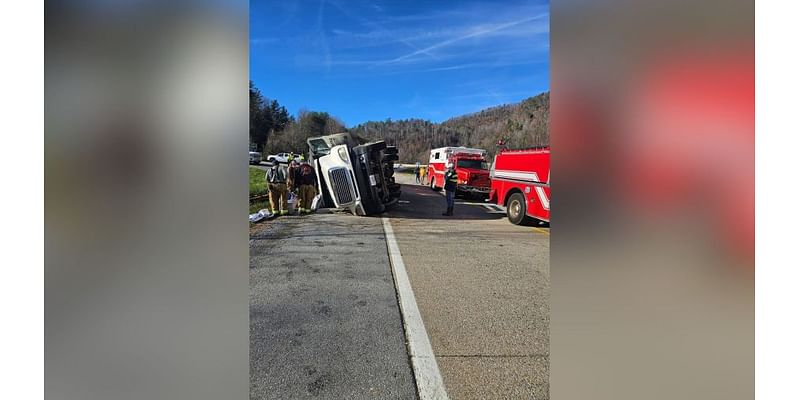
{"points": [[491, 208], [430, 385]]}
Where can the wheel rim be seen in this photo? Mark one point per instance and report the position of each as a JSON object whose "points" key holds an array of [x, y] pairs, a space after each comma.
{"points": [[514, 209]]}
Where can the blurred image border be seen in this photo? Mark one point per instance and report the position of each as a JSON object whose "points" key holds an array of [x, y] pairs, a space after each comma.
{"points": [[22, 296], [777, 214], [777, 197]]}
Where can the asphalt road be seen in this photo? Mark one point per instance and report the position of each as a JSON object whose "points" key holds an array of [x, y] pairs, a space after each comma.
{"points": [[263, 165], [325, 320], [482, 286]]}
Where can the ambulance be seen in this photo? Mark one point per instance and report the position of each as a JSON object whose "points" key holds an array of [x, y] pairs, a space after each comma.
{"points": [[470, 164]]}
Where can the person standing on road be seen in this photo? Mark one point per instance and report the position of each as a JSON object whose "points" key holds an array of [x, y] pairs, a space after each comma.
{"points": [[276, 182], [417, 172], [450, 184], [421, 172], [307, 179]]}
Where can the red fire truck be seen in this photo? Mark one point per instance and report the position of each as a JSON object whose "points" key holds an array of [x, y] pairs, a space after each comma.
{"points": [[521, 183], [471, 165]]}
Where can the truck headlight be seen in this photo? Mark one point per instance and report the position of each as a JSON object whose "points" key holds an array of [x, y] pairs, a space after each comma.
{"points": [[343, 154]]}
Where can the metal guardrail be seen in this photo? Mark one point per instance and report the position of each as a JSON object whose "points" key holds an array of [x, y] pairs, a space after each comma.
{"points": [[259, 197]]}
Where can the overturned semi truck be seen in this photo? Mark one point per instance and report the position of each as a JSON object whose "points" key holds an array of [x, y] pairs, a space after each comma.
{"points": [[354, 176]]}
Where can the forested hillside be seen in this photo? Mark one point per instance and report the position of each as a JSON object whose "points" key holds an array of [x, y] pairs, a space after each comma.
{"points": [[520, 125], [274, 130]]}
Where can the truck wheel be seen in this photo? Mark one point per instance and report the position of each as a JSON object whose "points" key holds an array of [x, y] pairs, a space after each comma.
{"points": [[516, 209], [433, 185]]}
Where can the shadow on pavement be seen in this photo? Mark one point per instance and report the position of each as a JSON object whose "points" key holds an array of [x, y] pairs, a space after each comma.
{"points": [[420, 202]]}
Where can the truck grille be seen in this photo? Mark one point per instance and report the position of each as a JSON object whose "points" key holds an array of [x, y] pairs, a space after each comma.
{"points": [[341, 186], [480, 180]]}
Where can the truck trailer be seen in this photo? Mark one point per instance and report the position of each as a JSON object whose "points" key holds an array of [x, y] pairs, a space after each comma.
{"points": [[354, 176]]}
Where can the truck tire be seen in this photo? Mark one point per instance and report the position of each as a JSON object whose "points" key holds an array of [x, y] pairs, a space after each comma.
{"points": [[516, 209], [377, 146], [433, 184]]}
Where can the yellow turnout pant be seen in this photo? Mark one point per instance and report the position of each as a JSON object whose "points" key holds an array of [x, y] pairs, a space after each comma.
{"points": [[307, 193], [278, 200]]}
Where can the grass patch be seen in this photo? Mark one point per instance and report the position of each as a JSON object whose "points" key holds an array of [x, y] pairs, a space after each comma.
{"points": [[258, 185], [258, 205]]}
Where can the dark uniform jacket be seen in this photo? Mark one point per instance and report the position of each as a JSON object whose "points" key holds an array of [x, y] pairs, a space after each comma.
{"points": [[450, 180], [306, 179]]}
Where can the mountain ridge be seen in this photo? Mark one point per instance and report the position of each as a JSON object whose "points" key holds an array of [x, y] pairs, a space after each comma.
{"points": [[520, 125]]}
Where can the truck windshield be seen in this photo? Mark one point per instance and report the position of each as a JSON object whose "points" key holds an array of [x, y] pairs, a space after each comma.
{"points": [[319, 147], [473, 164]]}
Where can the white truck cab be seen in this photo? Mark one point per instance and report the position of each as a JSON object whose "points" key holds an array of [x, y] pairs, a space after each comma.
{"points": [[356, 177]]}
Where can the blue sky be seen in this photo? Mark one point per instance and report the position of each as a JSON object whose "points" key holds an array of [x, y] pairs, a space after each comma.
{"points": [[373, 60]]}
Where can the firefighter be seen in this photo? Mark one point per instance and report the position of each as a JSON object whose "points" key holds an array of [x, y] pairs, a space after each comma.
{"points": [[276, 181], [450, 184], [291, 182], [307, 181], [291, 177]]}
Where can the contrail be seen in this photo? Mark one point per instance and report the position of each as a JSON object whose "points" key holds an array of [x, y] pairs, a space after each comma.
{"points": [[467, 36]]}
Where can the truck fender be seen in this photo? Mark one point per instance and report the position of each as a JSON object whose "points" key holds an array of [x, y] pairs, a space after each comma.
{"points": [[509, 193]]}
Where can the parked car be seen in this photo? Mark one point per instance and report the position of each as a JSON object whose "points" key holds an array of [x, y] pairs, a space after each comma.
{"points": [[255, 158], [282, 158]]}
